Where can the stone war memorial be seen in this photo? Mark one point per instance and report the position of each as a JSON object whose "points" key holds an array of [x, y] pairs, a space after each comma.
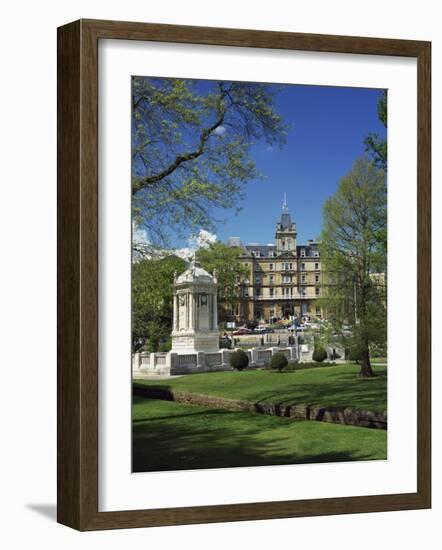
{"points": [[195, 333]]}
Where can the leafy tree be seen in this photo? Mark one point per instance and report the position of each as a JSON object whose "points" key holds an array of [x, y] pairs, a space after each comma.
{"points": [[353, 246], [226, 262], [152, 305], [376, 146], [191, 148]]}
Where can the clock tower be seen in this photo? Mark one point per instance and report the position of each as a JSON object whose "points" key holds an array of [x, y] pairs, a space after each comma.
{"points": [[285, 232]]}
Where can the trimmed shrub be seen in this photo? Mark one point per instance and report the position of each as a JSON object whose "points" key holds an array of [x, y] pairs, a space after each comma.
{"points": [[319, 354], [239, 359], [278, 361]]}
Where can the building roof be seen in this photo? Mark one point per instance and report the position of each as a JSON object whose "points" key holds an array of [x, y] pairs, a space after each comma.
{"points": [[285, 223], [269, 251], [234, 242]]}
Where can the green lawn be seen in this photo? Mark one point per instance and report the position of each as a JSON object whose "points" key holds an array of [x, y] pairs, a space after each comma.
{"points": [[328, 387], [173, 436]]}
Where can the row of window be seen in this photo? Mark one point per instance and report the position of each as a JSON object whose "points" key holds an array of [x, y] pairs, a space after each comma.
{"points": [[286, 278], [284, 292], [257, 253], [286, 266]]}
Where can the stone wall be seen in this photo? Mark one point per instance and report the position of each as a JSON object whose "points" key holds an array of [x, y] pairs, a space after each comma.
{"points": [[352, 417]]}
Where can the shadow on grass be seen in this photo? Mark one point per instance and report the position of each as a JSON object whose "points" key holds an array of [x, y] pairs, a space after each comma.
{"points": [[341, 391], [222, 439], [186, 415]]}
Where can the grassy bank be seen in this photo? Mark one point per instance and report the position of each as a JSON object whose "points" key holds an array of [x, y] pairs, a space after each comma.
{"points": [[328, 387], [172, 436]]}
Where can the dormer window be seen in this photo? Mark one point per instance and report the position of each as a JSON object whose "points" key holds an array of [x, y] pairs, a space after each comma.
{"points": [[302, 252]]}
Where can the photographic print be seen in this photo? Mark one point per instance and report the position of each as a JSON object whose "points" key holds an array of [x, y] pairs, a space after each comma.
{"points": [[259, 274]]}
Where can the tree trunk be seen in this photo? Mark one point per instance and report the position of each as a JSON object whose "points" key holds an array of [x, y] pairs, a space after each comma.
{"points": [[366, 370]]}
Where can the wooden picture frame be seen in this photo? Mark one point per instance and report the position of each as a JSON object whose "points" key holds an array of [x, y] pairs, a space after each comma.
{"points": [[78, 274]]}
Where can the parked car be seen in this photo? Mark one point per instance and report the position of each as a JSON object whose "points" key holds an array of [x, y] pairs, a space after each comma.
{"points": [[263, 330], [242, 331]]}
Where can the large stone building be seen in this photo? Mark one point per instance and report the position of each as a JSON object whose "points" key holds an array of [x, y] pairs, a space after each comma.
{"points": [[285, 279]]}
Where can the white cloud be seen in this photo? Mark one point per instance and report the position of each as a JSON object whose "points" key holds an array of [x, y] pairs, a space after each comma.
{"points": [[185, 253], [203, 240], [143, 248], [139, 235], [220, 131]]}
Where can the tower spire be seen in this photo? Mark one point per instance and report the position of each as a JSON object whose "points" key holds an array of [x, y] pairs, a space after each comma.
{"points": [[285, 206]]}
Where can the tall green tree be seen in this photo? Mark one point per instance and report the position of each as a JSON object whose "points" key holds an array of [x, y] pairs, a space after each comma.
{"points": [[376, 146], [353, 249], [152, 304], [191, 148], [230, 272]]}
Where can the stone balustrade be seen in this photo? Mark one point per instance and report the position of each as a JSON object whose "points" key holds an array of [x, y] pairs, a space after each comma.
{"points": [[146, 364]]}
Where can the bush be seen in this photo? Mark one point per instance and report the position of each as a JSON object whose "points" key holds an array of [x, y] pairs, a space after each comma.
{"points": [[225, 343], [252, 324], [165, 345], [278, 361], [319, 354], [239, 359]]}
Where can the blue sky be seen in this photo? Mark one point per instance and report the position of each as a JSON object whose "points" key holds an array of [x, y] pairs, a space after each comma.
{"points": [[327, 128]]}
